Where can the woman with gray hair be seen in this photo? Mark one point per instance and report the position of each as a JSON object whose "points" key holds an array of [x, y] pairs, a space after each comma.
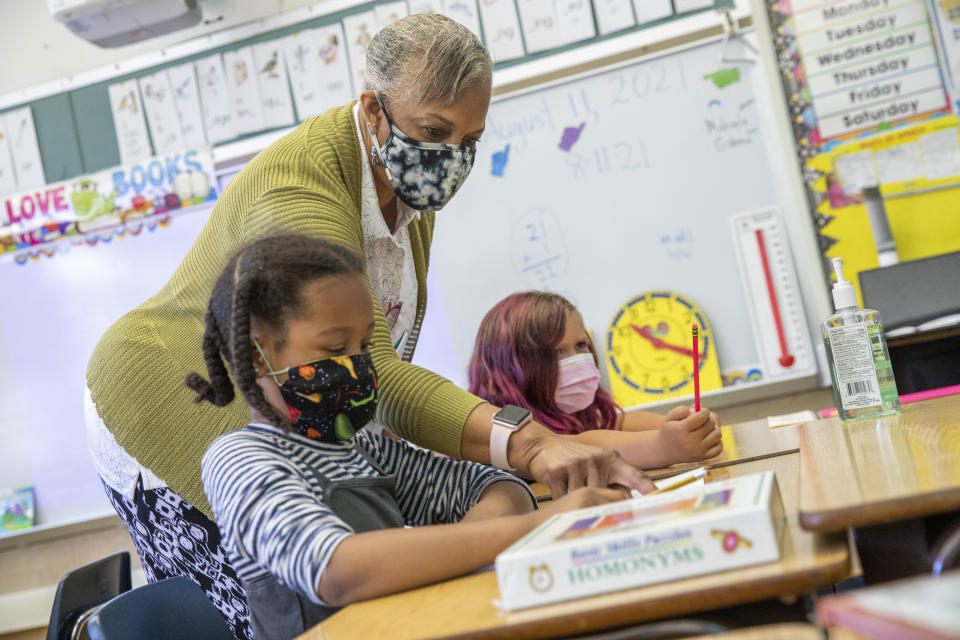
{"points": [[368, 176]]}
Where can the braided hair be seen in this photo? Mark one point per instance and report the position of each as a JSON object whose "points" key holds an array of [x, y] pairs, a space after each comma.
{"points": [[263, 281]]}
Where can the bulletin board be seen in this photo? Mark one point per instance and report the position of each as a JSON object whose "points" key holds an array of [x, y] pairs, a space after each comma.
{"points": [[870, 105]]}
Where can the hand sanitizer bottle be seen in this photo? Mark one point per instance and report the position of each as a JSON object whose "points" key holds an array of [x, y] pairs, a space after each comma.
{"points": [[860, 367]]}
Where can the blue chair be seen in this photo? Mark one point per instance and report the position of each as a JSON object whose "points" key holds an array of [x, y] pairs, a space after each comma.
{"points": [[83, 590], [171, 608]]}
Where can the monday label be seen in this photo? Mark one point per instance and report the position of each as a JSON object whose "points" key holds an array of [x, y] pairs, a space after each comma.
{"points": [[811, 15], [831, 35]]}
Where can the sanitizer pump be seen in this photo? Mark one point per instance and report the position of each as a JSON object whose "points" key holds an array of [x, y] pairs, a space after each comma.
{"points": [[860, 367]]}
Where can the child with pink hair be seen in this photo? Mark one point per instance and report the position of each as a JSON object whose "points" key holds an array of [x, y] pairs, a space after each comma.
{"points": [[533, 351]]}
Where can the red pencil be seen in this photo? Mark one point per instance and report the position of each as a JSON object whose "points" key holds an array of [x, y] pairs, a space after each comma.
{"points": [[696, 369]]}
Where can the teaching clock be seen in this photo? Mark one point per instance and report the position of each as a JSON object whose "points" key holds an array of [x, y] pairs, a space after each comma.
{"points": [[649, 349]]}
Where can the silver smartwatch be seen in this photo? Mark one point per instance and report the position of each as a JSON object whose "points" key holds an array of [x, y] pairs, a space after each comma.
{"points": [[505, 423]]}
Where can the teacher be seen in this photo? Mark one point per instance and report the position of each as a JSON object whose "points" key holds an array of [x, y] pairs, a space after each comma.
{"points": [[368, 176]]}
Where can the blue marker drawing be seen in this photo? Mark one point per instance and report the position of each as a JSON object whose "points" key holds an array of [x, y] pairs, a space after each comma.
{"points": [[714, 103], [500, 161], [570, 136]]}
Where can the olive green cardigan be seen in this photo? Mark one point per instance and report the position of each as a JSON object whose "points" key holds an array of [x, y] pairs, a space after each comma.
{"points": [[307, 182]]}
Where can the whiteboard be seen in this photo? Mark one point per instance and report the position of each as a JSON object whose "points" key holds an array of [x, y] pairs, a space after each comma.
{"points": [[614, 183], [54, 312]]}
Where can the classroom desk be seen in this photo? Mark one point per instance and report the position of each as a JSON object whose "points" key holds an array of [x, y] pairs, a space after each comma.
{"points": [[785, 631], [875, 471], [464, 607], [742, 442]]}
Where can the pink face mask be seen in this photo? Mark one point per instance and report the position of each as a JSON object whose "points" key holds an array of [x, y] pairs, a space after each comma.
{"points": [[577, 383]]}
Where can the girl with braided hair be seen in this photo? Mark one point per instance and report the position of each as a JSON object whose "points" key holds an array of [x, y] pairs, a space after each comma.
{"points": [[368, 176], [311, 505]]}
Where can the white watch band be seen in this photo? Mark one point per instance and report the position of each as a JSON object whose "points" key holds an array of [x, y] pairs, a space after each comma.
{"points": [[499, 439]]}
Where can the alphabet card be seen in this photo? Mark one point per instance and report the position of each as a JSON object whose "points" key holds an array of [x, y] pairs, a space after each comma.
{"points": [[575, 19], [129, 123], [333, 68], [215, 100], [539, 21], [319, 73], [272, 79], [244, 91], [186, 99], [650, 10], [303, 64], [502, 29], [613, 15], [464, 12], [161, 111], [421, 6], [390, 12], [359, 30], [8, 179]]}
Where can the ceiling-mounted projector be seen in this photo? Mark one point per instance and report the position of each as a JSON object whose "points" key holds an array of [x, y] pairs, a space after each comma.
{"points": [[115, 23]]}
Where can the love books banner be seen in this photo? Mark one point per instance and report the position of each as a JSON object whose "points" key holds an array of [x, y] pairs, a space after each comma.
{"points": [[100, 206]]}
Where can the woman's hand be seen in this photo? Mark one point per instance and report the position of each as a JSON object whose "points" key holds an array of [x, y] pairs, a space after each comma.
{"points": [[689, 436], [564, 464]]}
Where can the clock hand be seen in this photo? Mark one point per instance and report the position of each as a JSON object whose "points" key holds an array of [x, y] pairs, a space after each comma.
{"points": [[660, 344]]}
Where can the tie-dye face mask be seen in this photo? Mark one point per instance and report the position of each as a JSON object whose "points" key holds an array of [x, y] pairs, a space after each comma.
{"points": [[424, 175], [329, 399]]}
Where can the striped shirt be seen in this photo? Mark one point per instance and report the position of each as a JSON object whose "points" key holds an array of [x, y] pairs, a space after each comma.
{"points": [[269, 505]]}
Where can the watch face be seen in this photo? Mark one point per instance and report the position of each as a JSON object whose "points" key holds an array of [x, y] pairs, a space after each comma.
{"points": [[512, 415]]}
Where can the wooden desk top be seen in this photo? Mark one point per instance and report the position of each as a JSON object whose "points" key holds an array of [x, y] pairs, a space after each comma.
{"points": [[464, 607], [874, 471], [742, 442]]}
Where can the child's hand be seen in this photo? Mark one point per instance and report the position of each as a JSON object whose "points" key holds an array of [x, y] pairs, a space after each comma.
{"points": [[581, 499], [691, 436]]}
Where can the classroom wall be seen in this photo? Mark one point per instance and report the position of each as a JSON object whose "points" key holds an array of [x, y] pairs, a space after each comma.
{"points": [[54, 52]]}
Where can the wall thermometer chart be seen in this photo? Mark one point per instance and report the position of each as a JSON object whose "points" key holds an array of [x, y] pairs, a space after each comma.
{"points": [[770, 283]]}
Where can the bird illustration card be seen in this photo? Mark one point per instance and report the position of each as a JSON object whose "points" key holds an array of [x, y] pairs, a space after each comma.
{"points": [[650, 10], [128, 120], [390, 12], [215, 99], [333, 68], [613, 15], [464, 12], [274, 89], [8, 178], [539, 22], [575, 20], [502, 29], [359, 30], [161, 112], [244, 91], [186, 99]]}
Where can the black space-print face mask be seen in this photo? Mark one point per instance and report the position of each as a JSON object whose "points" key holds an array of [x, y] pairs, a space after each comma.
{"points": [[424, 175], [329, 399]]}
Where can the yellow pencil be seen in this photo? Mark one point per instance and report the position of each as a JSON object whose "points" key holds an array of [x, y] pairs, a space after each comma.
{"points": [[682, 481]]}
